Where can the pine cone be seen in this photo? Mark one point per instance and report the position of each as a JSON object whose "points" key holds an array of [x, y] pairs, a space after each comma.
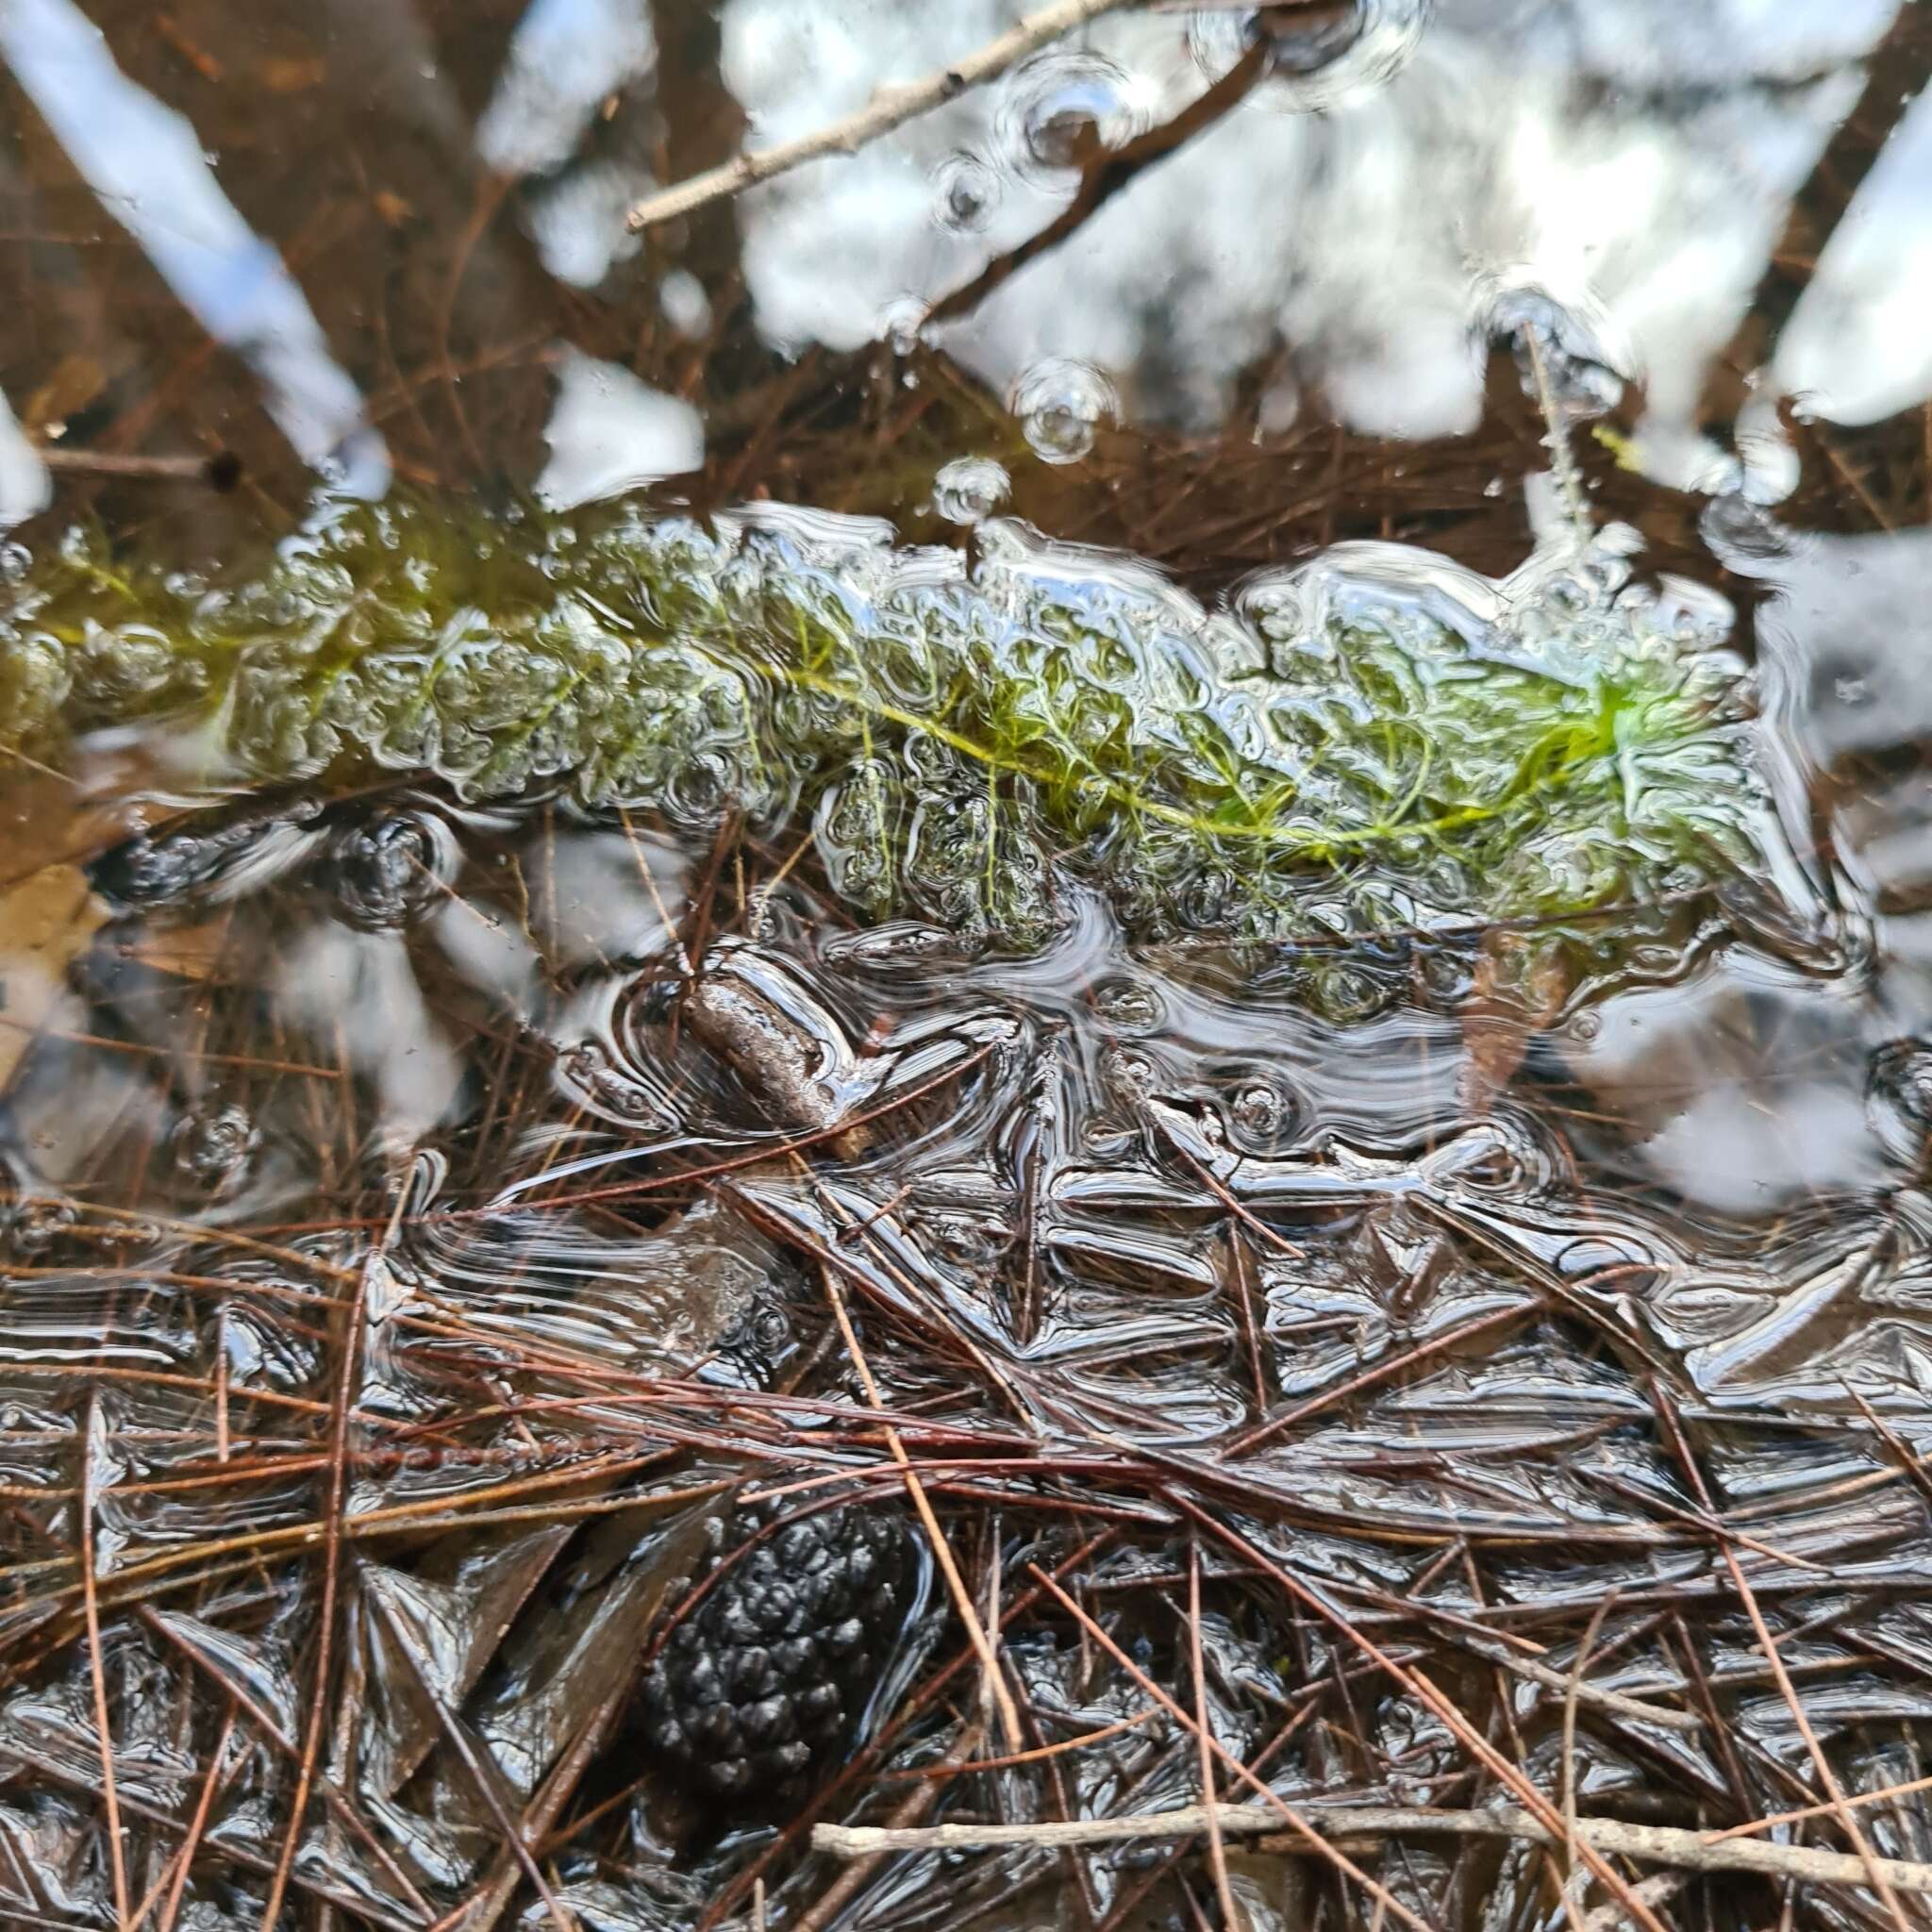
{"points": [[763, 1683]]}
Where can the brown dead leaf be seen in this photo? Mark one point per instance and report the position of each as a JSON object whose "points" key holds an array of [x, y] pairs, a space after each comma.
{"points": [[186, 952], [1518, 989], [75, 381], [191, 50], [45, 920], [287, 74], [392, 207]]}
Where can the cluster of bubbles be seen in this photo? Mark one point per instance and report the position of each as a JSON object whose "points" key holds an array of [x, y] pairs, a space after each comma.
{"points": [[214, 1147], [1373, 739]]}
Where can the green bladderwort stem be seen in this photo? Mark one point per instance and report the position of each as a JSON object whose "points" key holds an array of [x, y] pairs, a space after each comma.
{"points": [[961, 741]]}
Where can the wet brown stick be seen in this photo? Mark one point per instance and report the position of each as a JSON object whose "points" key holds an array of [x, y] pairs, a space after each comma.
{"points": [[769, 1052], [109, 1796], [89, 462]]}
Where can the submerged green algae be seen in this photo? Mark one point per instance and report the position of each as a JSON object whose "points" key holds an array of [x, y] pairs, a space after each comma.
{"points": [[1367, 741]]}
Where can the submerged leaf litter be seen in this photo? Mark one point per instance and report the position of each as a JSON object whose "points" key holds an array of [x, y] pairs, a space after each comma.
{"points": [[667, 1177], [674, 1040]]}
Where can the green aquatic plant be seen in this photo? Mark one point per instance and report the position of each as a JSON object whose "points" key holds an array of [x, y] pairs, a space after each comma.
{"points": [[1375, 739]]}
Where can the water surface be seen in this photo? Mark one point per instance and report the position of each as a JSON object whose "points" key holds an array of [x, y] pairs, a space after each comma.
{"points": [[423, 1203]]}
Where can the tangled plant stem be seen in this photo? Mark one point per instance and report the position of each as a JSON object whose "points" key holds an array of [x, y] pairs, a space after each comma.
{"points": [[1334, 753]]}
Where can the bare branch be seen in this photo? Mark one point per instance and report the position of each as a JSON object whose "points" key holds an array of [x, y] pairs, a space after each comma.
{"points": [[890, 107]]}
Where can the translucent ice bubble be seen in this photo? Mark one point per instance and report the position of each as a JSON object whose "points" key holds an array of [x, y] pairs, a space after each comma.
{"points": [[1318, 55], [968, 488], [214, 1146], [1060, 404], [900, 323], [1898, 1100], [1061, 107], [390, 870], [683, 304], [965, 192], [1263, 1115], [1554, 345], [1126, 1006]]}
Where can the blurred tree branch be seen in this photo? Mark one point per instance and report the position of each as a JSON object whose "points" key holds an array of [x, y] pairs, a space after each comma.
{"points": [[889, 107]]}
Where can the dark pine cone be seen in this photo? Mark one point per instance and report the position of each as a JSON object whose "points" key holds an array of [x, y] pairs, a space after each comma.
{"points": [[763, 1681]]}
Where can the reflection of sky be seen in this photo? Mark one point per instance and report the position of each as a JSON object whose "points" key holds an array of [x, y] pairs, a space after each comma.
{"points": [[1742, 1090], [609, 432], [566, 59], [1843, 633], [1746, 1088], [1634, 157], [1857, 349], [1841, 654], [144, 164], [25, 487]]}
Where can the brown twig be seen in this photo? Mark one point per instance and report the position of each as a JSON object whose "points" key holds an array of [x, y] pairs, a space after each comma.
{"points": [[1217, 1851], [93, 463], [890, 107], [1637, 1709], [1421, 1688], [1866, 1858], [1386, 1901], [1895, 70], [242, 1700], [1379, 1372], [485, 1907], [482, 1775], [1659, 1844], [1570, 1695], [175, 1873]]}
